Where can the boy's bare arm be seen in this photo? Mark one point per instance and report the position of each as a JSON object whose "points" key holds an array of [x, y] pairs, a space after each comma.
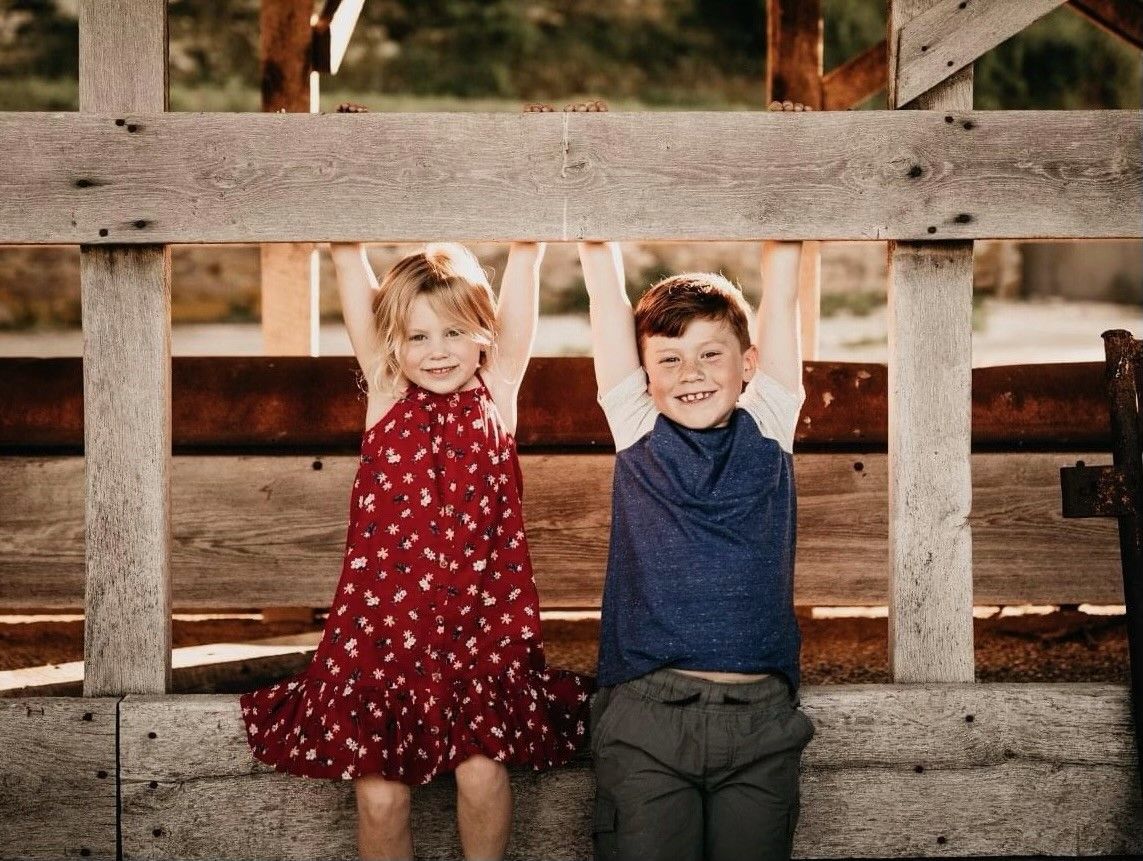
{"points": [[357, 286], [517, 312], [779, 338], [612, 320]]}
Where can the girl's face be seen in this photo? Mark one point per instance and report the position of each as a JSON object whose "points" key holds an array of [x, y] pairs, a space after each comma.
{"points": [[437, 354]]}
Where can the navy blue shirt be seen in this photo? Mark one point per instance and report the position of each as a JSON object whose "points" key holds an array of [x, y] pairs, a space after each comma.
{"points": [[700, 572]]}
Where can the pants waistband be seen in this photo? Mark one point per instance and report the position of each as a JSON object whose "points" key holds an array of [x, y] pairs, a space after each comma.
{"points": [[668, 686]]}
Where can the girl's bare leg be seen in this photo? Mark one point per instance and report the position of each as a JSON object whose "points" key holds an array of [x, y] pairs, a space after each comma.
{"points": [[383, 820], [483, 808]]}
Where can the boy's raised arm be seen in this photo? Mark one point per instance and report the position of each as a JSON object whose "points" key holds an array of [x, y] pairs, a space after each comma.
{"points": [[612, 320], [778, 335], [357, 287]]}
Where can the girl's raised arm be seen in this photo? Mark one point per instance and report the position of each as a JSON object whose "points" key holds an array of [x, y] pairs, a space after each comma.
{"points": [[357, 286], [517, 313], [612, 320]]}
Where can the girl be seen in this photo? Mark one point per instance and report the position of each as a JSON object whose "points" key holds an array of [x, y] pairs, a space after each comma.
{"points": [[431, 660]]}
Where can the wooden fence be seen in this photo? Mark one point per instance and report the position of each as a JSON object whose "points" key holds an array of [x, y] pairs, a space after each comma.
{"points": [[930, 765]]}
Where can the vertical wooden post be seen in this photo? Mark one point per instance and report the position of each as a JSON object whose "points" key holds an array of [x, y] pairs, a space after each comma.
{"points": [[930, 400], [794, 72], [126, 310], [290, 289]]}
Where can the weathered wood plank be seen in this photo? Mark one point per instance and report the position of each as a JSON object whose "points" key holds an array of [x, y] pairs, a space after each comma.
{"points": [[126, 296], [57, 778], [855, 80], [930, 423], [991, 769], [256, 403], [950, 34], [260, 531], [398, 177]]}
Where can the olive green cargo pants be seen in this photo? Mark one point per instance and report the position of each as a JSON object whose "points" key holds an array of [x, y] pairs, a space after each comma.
{"points": [[689, 769]]}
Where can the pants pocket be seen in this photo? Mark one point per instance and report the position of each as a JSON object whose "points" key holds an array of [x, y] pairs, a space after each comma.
{"points": [[603, 831]]}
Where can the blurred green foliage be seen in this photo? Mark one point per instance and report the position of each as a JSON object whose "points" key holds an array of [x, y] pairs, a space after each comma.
{"points": [[653, 53]]}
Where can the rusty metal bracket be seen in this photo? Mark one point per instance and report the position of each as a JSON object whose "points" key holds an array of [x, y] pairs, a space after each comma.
{"points": [[1117, 491], [1096, 491]]}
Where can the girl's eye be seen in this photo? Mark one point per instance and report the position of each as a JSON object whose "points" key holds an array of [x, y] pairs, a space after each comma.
{"points": [[452, 333], [416, 338]]}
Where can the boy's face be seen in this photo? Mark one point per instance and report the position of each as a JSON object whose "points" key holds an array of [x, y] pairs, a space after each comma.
{"points": [[696, 378]]}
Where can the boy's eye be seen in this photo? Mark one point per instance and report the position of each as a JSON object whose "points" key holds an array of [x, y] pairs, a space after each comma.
{"points": [[712, 354], [668, 360]]}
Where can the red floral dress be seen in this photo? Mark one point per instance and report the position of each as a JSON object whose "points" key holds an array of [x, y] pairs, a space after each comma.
{"points": [[432, 649]]}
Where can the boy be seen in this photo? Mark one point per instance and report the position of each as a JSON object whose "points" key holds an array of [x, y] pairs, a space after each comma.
{"points": [[695, 732]]}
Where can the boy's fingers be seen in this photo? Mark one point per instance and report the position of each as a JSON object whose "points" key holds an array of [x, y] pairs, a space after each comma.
{"points": [[352, 108]]}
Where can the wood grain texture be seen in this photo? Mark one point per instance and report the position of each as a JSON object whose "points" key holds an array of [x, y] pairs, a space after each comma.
{"points": [[411, 177], [57, 778], [127, 440], [848, 85], [264, 531], [930, 422], [949, 35], [126, 299], [279, 404], [1038, 769], [123, 56]]}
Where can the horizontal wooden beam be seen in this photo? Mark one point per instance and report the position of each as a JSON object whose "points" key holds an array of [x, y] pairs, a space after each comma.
{"points": [[58, 778], [855, 80], [284, 404], [1122, 18], [951, 34], [270, 531], [72, 178], [893, 771]]}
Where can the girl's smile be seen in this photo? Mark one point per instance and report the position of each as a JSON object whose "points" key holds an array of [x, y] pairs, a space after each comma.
{"points": [[437, 353]]}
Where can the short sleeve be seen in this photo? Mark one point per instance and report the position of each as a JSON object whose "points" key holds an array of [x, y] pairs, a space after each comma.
{"points": [[630, 412], [774, 407]]}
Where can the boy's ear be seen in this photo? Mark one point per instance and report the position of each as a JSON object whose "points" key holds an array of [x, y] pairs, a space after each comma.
{"points": [[749, 363]]}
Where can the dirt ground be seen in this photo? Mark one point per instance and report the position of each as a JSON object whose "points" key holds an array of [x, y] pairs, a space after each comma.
{"points": [[1061, 646]]}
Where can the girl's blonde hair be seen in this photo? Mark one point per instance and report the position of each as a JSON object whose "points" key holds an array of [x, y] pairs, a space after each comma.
{"points": [[449, 275]]}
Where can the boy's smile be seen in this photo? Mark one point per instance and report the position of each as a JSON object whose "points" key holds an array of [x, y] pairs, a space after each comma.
{"points": [[695, 379]]}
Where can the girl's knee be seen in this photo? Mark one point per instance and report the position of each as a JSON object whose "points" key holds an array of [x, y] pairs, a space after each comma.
{"points": [[479, 776], [382, 801]]}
